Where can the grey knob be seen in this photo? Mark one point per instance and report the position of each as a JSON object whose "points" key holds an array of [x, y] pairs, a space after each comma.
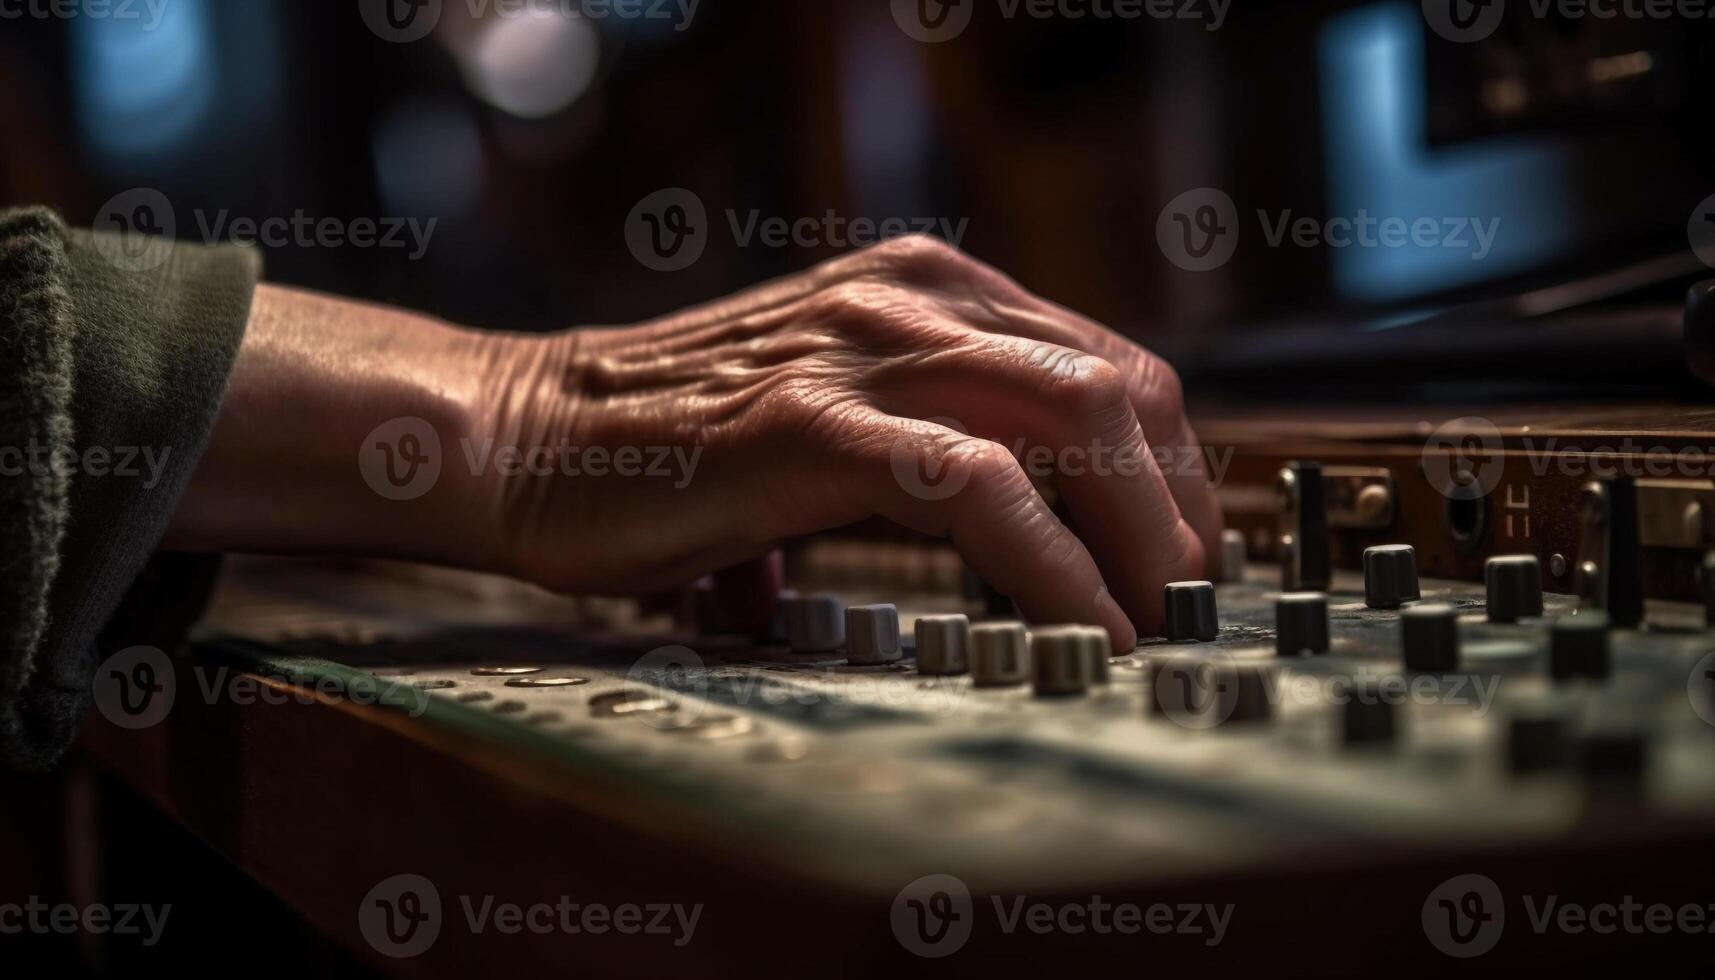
{"points": [[815, 624], [1000, 654], [775, 632], [1232, 555], [943, 645], [1390, 576], [1429, 638], [1300, 623], [1191, 611], [1098, 648], [1202, 694], [872, 634], [1060, 659], [1367, 718], [1578, 647], [1515, 587]]}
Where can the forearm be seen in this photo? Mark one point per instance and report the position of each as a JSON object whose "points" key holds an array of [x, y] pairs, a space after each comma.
{"points": [[288, 468]]}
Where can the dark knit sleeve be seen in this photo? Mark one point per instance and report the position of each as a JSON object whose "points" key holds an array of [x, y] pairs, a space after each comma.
{"points": [[113, 359]]}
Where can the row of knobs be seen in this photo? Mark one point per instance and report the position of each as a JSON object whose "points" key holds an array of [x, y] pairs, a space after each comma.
{"points": [[1429, 632], [1058, 660]]}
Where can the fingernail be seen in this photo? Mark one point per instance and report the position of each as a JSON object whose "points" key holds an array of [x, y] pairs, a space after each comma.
{"points": [[1108, 613]]}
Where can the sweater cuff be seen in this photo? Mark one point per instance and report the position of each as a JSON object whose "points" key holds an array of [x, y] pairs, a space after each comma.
{"points": [[118, 360]]}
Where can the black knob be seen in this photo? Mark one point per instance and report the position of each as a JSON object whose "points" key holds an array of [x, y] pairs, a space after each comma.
{"points": [[1300, 623], [1390, 576], [1367, 718], [1241, 694], [1706, 579], [1306, 528], [1191, 611], [1429, 638], [1578, 647], [1613, 752], [1538, 736], [1622, 573], [1515, 587]]}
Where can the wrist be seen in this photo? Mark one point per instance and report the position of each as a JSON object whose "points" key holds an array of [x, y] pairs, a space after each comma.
{"points": [[343, 431]]}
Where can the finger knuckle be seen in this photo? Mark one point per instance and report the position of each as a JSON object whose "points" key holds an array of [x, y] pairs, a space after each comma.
{"points": [[1159, 392], [917, 252], [1089, 385]]}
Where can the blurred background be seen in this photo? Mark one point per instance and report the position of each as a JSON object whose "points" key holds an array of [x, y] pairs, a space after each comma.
{"points": [[1048, 143]]}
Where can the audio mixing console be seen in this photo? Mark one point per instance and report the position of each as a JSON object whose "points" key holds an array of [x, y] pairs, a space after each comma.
{"points": [[1374, 724]]}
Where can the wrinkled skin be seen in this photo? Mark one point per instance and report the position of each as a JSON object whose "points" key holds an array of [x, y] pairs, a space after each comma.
{"points": [[811, 398]]}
